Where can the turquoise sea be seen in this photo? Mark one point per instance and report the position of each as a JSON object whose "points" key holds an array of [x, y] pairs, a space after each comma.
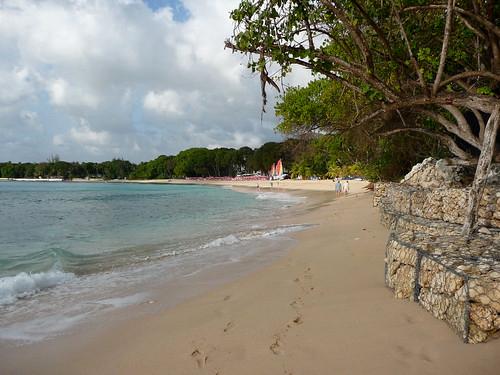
{"points": [[69, 251]]}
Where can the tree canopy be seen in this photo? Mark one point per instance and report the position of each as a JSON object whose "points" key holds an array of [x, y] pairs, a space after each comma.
{"points": [[428, 67]]}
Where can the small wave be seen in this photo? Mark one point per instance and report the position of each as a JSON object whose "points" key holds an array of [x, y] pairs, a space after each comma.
{"points": [[274, 232], [25, 285], [281, 197], [254, 234], [228, 240]]}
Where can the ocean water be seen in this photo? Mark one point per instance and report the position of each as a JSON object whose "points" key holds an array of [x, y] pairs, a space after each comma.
{"points": [[70, 251]]}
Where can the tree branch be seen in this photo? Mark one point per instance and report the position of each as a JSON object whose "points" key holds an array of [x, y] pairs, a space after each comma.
{"points": [[452, 128], [483, 166], [444, 49], [375, 27], [461, 121], [355, 32], [483, 21], [475, 30], [410, 52], [450, 143], [361, 74], [476, 102], [480, 122], [478, 73]]}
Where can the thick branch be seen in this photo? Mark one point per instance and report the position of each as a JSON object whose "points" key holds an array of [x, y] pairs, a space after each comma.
{"points": [[232, 46], [479, 73], [328, 74], [485, 105], [461, 121], [444, 49], [452, 128], [352, 69], [480, 122], [447, 140]]}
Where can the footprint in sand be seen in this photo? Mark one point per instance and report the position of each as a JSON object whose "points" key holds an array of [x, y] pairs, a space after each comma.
{"points": [[228, 326], [226, 298], [200, 358], [297, 303], [298, 320], [308, 273], [276, 346], [425, 357]]}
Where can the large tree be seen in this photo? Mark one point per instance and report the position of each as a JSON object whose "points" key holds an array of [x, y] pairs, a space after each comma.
{"points": [[413, 60]]}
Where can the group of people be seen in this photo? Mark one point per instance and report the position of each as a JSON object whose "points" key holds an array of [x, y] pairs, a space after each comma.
{"points": [[341, 186]]}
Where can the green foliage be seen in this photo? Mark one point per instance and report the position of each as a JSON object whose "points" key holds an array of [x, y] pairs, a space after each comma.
{"points": [[193, 162], [322, 106], [356, 169], [161, 167], [485, 90], [428, 62], [373, 56]]}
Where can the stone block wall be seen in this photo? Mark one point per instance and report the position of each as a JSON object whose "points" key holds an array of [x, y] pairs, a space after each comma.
{"points": [[456, 281], [428, 261], [446, 204]]}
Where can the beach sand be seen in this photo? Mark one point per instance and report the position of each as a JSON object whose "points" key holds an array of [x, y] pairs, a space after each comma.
{"points": [[308, 185], [321, 309]]}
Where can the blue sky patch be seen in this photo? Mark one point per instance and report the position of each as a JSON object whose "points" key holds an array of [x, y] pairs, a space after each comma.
{"points": [[181, 14]]}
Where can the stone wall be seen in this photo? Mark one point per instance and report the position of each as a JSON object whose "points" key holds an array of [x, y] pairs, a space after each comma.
{"points": [[427, 260], [446, 204]]}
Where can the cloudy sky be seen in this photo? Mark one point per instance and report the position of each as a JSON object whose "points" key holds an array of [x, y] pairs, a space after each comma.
{"points": [[97, 79]]}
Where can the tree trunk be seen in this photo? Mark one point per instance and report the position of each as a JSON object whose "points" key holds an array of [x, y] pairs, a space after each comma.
{"points": [[483, 167]]}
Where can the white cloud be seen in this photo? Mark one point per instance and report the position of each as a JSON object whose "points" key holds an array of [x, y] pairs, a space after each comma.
{"points": [[58, 140], [57, 91], [84, 135], [165, 102], [146, 83], [62, 94]]}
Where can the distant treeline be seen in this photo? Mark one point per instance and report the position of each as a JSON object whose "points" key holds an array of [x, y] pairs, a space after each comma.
{"points": [[193, 162], [321, 156]]}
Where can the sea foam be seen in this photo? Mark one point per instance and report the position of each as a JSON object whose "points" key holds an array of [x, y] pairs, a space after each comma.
{"points": [[25, 284], [281, 197], [227, 240]]}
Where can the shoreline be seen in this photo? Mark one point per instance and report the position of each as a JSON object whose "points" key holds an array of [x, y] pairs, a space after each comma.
{"points": [[290, 184], [242, 250], [209, 276], [319, 309]]}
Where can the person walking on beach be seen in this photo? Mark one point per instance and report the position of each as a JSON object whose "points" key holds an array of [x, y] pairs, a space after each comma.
{"points": [[338, 186], [345, 188]]}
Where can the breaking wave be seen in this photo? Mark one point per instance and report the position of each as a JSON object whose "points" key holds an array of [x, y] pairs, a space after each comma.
{"points": [[24, 285]]}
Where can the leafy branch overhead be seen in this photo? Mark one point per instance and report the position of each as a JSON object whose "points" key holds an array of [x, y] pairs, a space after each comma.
{"points": [[432, 67]]}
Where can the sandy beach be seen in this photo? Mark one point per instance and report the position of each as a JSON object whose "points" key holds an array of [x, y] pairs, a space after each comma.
{"points": [[307, 185], [321, 309]]}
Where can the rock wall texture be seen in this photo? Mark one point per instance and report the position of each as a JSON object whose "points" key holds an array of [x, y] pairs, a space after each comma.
{"points": [[445, 204], [428, 261]]}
